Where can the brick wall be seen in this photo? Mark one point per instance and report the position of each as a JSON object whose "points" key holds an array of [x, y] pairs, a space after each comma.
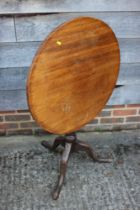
{"points": [[118, 117]]}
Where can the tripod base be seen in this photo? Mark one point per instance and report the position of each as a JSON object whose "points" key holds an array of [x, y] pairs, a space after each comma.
{"points": [[70, 144]]}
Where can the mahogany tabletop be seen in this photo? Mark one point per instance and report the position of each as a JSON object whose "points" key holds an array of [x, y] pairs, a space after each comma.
{"points": [[73, 75]]}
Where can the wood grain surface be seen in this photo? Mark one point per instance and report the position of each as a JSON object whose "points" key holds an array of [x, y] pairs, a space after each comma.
{"points": [[73, 74]]}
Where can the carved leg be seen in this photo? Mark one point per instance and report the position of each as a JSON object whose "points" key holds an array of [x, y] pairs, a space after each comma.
{"points": [[70, 143], [63, 167], [79, 145]]}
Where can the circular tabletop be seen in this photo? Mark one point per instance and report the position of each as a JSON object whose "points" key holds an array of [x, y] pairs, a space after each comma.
{"points": [[73, 75]]}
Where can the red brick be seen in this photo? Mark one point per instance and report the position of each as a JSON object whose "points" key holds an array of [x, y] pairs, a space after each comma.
{"points": [[2, 126], [124, 127], [1, 118], [96, 128], [133, 105], [7, 112], [23, 111], [2, 132], [17, 117], [10, 125], [124, 112], [133, 119], [95, 121], [105, 113], [28, 125], [119, 106], [112, 120], [20, 132]]}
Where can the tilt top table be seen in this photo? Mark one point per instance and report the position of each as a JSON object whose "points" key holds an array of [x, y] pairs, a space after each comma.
{"points": [[70, 80]]}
